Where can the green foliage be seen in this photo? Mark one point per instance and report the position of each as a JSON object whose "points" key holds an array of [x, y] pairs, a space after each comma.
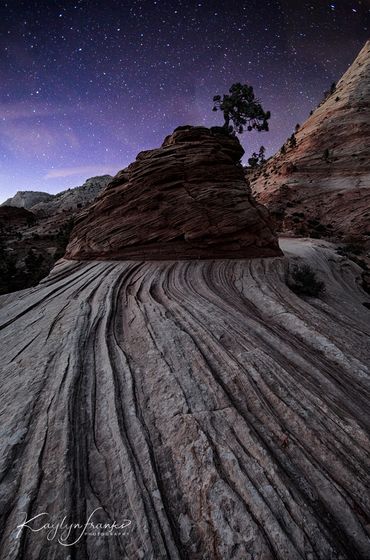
{"points": [[257, 160], [350, 249], [303, 282], [330, 91], [326, 154], [62, 237], [8, 269], [31, 220], [15, 277], [292, 141], [34, 267], [241, 109]]}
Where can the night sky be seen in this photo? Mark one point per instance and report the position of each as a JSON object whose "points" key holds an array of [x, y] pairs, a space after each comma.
{"points": [[86, 85]]}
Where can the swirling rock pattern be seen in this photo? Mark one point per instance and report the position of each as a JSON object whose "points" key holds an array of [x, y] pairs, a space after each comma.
{"points": [[186, 199], [222, 415]]}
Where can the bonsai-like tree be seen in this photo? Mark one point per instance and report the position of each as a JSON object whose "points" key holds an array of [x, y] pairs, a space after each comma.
{"points": [[241, 110]]}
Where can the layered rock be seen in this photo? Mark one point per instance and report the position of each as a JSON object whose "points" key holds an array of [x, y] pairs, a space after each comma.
{"points": [[186, 199], [221, 415], [325, 177]]}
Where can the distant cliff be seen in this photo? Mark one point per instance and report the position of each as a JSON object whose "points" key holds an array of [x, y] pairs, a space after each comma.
{"points": [[27, 199], [70, 199], [319, 183], [75, 198]]}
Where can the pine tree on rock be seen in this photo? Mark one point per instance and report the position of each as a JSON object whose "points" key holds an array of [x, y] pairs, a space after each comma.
{"points": [[241, 109]]}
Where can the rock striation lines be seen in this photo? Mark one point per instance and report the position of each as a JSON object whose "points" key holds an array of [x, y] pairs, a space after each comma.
{"points": [[203, 401]]}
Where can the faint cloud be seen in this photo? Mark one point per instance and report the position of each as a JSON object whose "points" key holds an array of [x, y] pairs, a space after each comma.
{"points": [[83, 170], [23, 138], [27, 110], [26, 129]]}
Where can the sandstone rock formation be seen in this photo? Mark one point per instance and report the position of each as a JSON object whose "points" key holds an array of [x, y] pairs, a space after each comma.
{"points": [[186, 199], [324, 180], [203, 401]]}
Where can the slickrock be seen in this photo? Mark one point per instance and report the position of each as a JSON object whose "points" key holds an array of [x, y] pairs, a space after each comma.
{"points": [[326, 176], [186, 199], [203, 401]]}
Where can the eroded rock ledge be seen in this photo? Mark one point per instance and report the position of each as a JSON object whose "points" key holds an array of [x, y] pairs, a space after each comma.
{"points": [[186, 199]]}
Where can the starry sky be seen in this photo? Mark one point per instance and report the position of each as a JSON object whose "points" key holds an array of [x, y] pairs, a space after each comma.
{"points": [[87, 84]]}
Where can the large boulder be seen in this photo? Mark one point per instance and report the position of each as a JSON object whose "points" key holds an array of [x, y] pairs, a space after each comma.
{"points": [[187, 199]]}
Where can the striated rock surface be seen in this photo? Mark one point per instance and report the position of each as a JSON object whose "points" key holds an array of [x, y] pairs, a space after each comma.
{"points": [[186, 199], [326, 176], [204, 402]]}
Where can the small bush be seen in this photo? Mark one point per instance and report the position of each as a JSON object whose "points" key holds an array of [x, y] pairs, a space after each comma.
{"points": [[350, 249], [303, 282]]}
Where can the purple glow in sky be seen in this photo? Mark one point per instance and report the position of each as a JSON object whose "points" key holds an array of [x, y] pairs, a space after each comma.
{"points": [[86, 85]]}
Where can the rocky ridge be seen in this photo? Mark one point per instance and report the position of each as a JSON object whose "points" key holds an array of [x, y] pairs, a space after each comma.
{"points": [[321, 184], [68, 200], [27, 199], [73, 199]]}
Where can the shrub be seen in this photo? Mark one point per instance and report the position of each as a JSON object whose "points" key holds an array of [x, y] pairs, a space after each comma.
{"points": [[292, 141], [303, 282], [326, 154], [350, 249]]}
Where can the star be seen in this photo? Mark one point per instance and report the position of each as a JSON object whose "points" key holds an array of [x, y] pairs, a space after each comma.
{"points": [[99, 83]]}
